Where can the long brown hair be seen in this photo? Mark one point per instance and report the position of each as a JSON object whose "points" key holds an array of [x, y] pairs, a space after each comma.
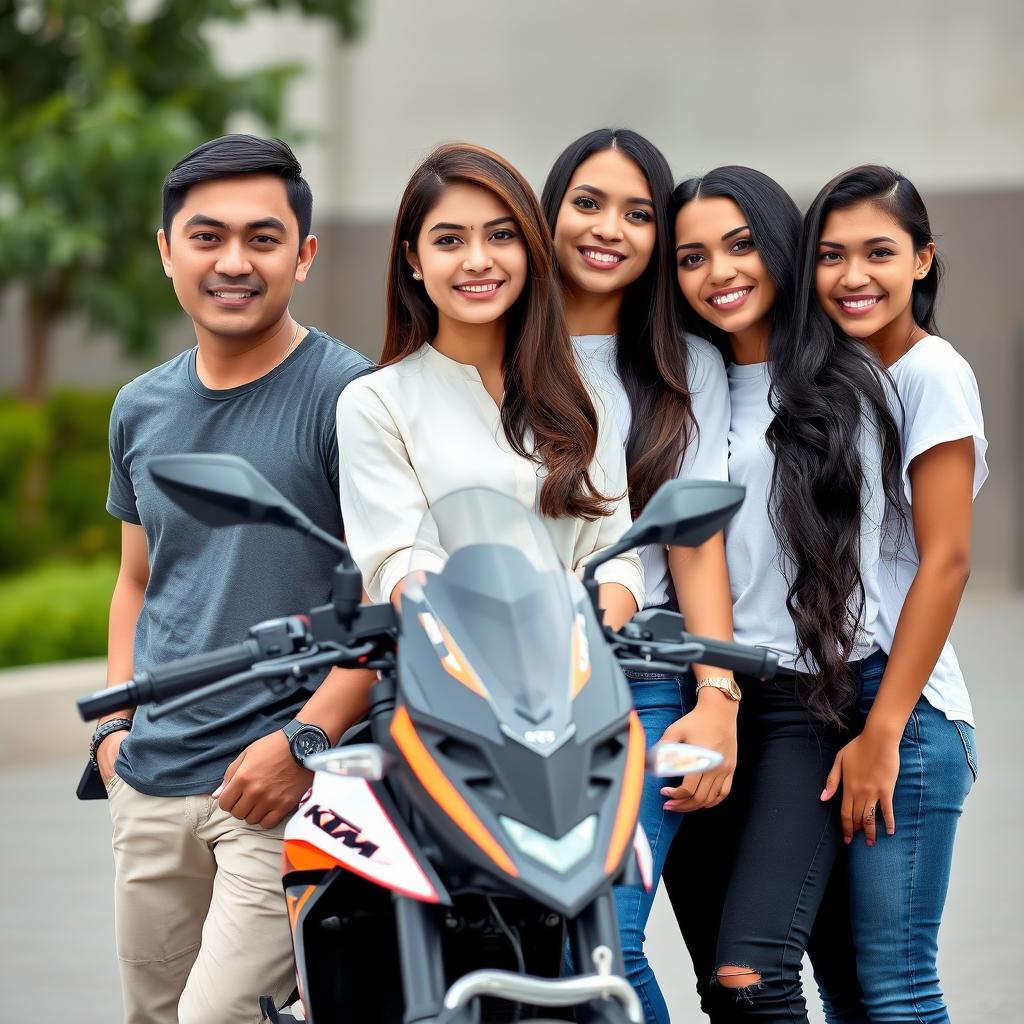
{"points": [[651, 352], [544, 394]]}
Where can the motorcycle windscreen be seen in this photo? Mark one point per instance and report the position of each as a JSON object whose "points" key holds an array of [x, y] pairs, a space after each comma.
{"points": [[498, 607]]}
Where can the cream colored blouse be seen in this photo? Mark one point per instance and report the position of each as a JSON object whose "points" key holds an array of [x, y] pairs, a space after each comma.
{"points": [[415, 431]]}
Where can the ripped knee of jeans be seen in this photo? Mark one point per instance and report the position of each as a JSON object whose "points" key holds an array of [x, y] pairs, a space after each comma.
{"points": [[744, 981]]}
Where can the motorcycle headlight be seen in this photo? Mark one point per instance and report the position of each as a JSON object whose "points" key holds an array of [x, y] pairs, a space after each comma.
{"points": [[560, 855]]}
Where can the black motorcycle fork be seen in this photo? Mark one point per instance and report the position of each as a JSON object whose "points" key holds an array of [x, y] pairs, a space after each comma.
{"points": [[419, 942], [596, 926]]}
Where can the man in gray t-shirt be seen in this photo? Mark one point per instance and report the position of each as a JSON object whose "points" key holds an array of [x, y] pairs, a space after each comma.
{"points": [[198, 798]]}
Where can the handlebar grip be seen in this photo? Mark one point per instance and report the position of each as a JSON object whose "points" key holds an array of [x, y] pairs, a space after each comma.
{"points": [[162, 682], [106, 702], [751, 661]]}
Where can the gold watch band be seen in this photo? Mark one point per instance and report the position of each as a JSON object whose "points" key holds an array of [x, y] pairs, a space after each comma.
{"points": [[724, 683]]}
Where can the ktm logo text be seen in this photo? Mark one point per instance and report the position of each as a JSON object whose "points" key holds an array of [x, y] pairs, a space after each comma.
{"points": [[340, 828]]}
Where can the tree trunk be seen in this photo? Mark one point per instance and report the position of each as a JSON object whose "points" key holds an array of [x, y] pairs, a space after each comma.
{"points": [[37, 349]]}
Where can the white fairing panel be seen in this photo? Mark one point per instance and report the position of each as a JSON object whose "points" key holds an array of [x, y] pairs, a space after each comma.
{"points": [[343, 818], [644, 857]]}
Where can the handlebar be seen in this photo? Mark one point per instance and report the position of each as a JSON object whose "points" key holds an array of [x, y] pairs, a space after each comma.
{"points": [[657, 637], [165, 681], [751, 661], [278, 649]]}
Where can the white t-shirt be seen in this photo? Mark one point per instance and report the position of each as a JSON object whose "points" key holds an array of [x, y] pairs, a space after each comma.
{"points": [[706, 455], [758, 572], [940, 403], [426, 426]]}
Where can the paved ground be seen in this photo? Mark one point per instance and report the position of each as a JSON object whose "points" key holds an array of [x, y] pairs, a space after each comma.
{"points": [[56, 948]]}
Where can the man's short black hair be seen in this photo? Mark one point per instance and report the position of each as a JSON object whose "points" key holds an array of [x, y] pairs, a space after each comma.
{"points": [[233, 155]]}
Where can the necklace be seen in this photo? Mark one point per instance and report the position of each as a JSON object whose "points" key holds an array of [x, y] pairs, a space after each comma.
{"points": [[293, 344]]}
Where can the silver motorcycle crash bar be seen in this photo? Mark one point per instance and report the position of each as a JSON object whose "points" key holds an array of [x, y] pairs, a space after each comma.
{"points": [[524, 988]]}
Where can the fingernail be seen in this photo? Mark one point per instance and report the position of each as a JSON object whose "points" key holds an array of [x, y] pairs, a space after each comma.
{"points": [[890, 831], [216, 792], [824, 794], [871, 842], [847, 840], [665, 792]]}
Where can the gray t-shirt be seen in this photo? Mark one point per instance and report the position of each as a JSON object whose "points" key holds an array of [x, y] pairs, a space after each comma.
{"points": [[207, 586]]}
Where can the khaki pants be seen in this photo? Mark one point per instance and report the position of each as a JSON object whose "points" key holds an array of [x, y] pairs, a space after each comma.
{"points": [[200, 917]]}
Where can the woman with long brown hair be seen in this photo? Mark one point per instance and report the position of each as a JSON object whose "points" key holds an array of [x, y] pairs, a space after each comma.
{"points": [[607, 200], [478, 385]]}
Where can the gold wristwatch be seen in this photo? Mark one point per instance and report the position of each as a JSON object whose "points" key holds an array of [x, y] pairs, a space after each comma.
{"points": [[723, 683]]}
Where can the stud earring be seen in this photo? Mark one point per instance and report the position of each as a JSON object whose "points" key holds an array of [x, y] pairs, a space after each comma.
{"points": [[417, 276]]}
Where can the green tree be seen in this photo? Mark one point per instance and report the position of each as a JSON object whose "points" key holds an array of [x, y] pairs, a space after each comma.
{"points": [[98, 99]]}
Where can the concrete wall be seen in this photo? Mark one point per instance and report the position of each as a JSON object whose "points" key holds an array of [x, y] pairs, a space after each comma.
{"points": [[798, 89]]}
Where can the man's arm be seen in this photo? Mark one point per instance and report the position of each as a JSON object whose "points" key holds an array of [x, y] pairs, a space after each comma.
{"points": [[264, 783], [125, 606]]}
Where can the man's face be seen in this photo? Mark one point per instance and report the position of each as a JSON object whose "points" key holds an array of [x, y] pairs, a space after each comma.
{"points": [[234, 254]]}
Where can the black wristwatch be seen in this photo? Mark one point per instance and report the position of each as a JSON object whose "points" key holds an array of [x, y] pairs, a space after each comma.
{"points": [[305, 740]]}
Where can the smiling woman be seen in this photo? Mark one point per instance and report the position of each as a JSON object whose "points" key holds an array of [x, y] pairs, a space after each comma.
{"points": [[607, 200], [809, 435], [479, 387], [869, 254]]}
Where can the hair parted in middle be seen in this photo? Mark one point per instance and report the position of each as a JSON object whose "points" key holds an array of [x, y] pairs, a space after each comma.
{"points": [[544, 394], [651, 350], [893, 193], [825, 388]]}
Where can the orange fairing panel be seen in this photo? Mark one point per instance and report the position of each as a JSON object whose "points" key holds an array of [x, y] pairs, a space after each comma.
{"points": [[580, 657], [453, 661], [300, 856], [436, 783], [295, 905], [629, 801]]}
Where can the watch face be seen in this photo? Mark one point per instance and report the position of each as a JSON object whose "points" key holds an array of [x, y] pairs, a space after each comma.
{"points": [[307, 742]]}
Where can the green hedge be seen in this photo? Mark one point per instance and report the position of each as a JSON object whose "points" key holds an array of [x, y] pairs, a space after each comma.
{"points": [[53, 479], [56, 611]]}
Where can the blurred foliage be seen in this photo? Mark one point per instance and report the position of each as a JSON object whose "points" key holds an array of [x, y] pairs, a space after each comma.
{"points": [[61, 512], [24, 441], [98, 100], [72, 600]]}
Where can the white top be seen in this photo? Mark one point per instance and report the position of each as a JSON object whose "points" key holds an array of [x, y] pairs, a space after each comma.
{"points": [[421, 428], [940, 403], [706, 456], [758, 571]]}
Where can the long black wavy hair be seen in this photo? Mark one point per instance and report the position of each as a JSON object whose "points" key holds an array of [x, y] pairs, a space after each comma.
{"points": [[825, 389], [889, 191], [651, 353]]}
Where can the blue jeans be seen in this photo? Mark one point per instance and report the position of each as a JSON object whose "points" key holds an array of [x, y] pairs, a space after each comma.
{"points": [[898, 887], [659, 701]]}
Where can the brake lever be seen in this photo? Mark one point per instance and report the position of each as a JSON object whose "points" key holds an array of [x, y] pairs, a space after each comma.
{"points": [[641, 658], [266, 672], [643, 665]]}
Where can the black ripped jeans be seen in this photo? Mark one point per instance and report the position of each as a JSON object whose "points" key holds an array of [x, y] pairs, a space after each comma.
{"points": [[748, 878]]}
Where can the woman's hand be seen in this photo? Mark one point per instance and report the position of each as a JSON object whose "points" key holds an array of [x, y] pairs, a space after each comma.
{"points": [[867, 767], [712, 723]]}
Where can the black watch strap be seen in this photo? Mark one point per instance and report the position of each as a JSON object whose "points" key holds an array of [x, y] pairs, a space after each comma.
{"points": [[104, 730]]}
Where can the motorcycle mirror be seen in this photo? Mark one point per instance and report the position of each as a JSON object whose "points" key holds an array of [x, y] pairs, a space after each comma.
{"points": [[670, 760], [220, 490], [360, 761], [685, 513], [225, 490]]}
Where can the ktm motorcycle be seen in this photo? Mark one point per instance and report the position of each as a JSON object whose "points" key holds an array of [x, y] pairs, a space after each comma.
{"points": [[474, 826]]}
